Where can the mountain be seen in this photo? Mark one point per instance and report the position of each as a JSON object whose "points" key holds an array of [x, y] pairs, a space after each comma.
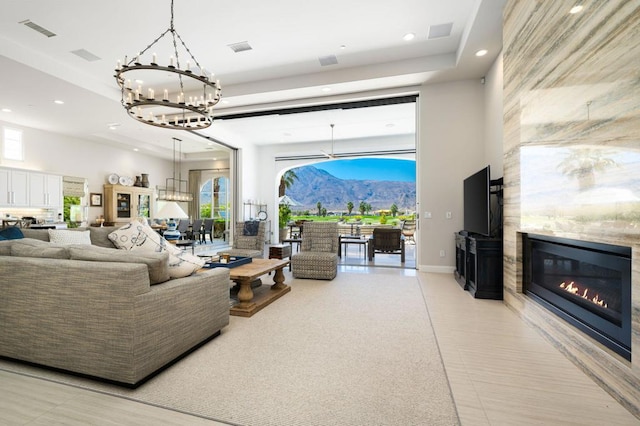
{"points": [[315, 185]]}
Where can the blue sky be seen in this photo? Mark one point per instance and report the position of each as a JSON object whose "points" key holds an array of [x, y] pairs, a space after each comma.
{"points": [[371, 169]]}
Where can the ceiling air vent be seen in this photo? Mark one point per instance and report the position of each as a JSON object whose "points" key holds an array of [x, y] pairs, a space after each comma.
{"points": [[439, 31], [38, 28], [86, 55], [242, 46], [328, 60]]}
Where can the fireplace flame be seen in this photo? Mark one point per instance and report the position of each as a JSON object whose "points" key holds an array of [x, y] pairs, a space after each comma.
{"points": [[573, 288]]}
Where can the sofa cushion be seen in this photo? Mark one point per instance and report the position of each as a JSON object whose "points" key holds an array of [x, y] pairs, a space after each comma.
{"points": [[321, 245], [157, 263], [5, 247], [137, 236], [100, 236], [34, 242], [245, 242], [51, 252], [11, 233], [36, 234]]}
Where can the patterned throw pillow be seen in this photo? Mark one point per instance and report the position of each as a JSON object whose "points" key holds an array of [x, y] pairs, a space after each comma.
{"points": [[140, 236], [67, 237]]}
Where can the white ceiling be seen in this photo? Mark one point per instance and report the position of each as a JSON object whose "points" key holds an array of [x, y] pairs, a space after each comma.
{"points": [[283, 69]]}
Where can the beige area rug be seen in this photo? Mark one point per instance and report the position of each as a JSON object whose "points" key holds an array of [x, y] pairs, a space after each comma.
{"points": [[358, 350]]}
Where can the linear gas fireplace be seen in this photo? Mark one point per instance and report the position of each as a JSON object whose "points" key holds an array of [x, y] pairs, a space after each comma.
{"points": [[587, 284]]}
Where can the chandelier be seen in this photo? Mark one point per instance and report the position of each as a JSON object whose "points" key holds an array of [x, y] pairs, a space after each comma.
{"points": [[173, 190], [155, 94]]}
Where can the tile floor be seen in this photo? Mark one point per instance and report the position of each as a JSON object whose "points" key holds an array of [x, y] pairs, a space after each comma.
{"points": [[501, 372]]}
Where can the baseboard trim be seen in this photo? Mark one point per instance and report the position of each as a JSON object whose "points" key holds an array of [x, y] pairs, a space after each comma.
{"points": [[437, 269]]}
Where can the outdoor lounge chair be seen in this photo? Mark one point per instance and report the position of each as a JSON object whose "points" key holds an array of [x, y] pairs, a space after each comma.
{"points": [[386, 241]]}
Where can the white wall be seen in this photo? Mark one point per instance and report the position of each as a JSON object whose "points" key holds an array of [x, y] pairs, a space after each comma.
{"points": [[451, 147], [65, 155]]}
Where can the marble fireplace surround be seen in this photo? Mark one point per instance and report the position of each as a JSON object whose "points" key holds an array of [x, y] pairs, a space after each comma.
{"points": [[572, 156]]}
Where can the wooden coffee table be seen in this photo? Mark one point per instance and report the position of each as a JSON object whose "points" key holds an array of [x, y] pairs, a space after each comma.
{"points": [[250, 300]]}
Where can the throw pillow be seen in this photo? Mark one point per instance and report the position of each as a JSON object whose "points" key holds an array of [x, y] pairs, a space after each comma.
{"points": [[250, 228], [24, 250], [67, 236], [157, 263], [100, 236], [140, 236], [11, 233]]}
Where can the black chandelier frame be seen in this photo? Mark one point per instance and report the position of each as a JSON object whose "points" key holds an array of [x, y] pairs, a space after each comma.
{"points": [[181, 114]]}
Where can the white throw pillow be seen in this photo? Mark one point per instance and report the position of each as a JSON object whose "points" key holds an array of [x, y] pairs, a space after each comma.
{"points": [[140, 236], [67, 236]]}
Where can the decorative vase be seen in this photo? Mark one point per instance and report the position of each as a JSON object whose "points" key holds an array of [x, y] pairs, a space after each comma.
{"points": [[138, 182], [145, 180]]}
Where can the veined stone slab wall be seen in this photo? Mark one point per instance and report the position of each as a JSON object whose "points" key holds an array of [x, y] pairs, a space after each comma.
{"points": [[572, 155]]}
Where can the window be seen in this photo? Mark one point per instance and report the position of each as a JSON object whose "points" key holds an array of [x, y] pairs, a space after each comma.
{"points": [[214, 198], [12, 148], [214, 203]]}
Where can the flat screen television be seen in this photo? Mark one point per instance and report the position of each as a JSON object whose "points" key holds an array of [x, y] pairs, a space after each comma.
{"points": [[477, 209]]}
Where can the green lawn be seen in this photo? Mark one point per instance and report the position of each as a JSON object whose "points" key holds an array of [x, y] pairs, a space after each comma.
{"points": [[366, 219]]}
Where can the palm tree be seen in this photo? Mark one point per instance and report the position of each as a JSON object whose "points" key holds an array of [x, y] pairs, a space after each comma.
{"points": [[393, 209], [350, 207], [319, 206], [286, 181], [583, 163], [362, 208]]}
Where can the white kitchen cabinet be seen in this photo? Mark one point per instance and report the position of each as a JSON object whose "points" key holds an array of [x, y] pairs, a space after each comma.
{"points": [[45, 190], [14, 188]]}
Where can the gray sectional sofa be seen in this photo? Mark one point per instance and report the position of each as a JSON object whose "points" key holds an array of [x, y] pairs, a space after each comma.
{"points": [[102, 318]]}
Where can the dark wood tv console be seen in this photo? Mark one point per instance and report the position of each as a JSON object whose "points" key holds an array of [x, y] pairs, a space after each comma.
{"points": [[479, 265]]}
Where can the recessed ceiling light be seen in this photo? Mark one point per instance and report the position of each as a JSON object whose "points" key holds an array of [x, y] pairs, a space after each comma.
{"points": [[576, 9], [343, 46], [214, 158], [136, 149], [482, 52], [139, 81], [210, 143], [5, 110], [326, 89], [390, 125], [409, 37], [59, 102]]}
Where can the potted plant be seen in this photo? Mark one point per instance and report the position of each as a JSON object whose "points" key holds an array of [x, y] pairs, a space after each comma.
{"points": [[284, 217]]}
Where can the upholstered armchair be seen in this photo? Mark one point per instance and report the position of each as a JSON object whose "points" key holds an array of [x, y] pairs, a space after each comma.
{"points": [[318, 256], [386, 241], [248, 240]]}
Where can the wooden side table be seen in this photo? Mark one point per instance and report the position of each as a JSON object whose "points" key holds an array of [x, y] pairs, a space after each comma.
{"points": [[280, 251]]}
